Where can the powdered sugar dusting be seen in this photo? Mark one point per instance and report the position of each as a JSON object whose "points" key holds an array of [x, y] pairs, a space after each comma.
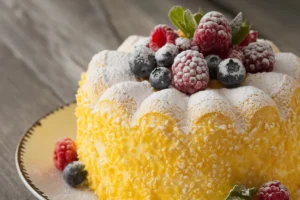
{"points": [[129, 94], [280, 87], [169, 101], [142, 53], [288, 63]]}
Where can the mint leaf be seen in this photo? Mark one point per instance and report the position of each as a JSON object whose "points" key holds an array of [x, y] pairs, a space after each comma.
{"points": [[198, 17], [176, 16], [190, 23], [240, 192], [236, 24], [242, 33]]}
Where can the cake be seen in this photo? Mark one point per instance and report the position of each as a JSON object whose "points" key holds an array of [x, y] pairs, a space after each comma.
{"points": [[140, 143]]}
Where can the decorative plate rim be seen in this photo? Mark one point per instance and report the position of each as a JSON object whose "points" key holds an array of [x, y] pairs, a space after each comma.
{"points": [[20, 150]]}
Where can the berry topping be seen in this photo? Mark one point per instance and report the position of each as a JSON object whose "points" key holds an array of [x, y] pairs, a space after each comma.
{"points": [[161, 35], [231, 72], [190, 72], [251, 37], [236, 52], [142, 61], [74, 173], [160, 78], [273, 190], [213, 33], [259, 57], [183, 44], [213, 62], [64, 153], [165, 55]]}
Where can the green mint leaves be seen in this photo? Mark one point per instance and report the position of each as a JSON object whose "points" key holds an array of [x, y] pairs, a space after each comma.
{"points": [[240, 192], [239, 29], [184, 20]]}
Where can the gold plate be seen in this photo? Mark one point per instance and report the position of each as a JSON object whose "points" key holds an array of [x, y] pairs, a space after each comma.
{"points": [[34, 156]]}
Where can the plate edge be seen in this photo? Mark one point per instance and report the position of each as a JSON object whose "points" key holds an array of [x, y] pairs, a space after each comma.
{"points": [[20, 151]]}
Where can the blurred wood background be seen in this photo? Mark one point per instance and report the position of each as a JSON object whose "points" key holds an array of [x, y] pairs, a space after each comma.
{"points": [[45, 46]]}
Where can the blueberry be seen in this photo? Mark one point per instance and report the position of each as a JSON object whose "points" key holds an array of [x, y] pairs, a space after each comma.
{"points": [[165, 55], [74, 173], [231, 72], [213, 62], [160, 78], [142, 61]]}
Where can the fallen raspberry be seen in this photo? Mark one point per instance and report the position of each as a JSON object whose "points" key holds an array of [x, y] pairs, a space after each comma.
{"points": [[213, 33], [251, 37], [259, 57], [161, 35], [190, 72], [273, 190], [64, 153]]}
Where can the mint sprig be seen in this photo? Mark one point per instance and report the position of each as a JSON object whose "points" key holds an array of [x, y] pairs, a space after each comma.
{"points": [[184, 20], [240, 192], [241, 35]]}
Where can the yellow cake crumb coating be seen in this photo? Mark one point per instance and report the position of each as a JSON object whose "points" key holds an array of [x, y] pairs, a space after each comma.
{"points": [[189, 148]]}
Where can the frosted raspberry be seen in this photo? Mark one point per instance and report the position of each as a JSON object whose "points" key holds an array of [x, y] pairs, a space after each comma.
{"points": [[183, 44], [190, 72], [213, 33], [251, 37], [161, 35], [236, 52], [273, 190], [259, 57]]}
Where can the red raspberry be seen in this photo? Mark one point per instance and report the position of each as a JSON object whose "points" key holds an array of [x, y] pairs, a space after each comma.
{"points": [[190, 72], [213, 33], [236, 52], [64, 153], [251, 37], [273, 190], [161, 35], [259, 57]]}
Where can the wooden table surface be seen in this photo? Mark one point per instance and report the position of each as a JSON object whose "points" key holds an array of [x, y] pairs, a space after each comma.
{"points": [[46, 45]]}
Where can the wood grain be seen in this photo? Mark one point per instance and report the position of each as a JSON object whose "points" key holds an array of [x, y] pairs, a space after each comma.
{"points": [[46, 45]]}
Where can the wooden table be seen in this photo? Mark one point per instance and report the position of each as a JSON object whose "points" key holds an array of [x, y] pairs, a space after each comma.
{"points": [[46, 45]]}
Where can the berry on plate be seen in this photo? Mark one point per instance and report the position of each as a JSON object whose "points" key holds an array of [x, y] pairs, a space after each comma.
{"points": [[213, 62], [160, 78], [165, 55], [190, 72], [213, 33], [259, 57], [74, 173], [64, 153], [142, 61], [273, 190], [161, 35], [231, 72]]}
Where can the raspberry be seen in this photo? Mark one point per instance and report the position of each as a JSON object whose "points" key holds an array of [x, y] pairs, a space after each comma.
{"points": [[64, 153], [273, 190], [161, 35], [236, 52], [251, 37], [213, 33], [190, 72], [259, 57], [183, 44]]}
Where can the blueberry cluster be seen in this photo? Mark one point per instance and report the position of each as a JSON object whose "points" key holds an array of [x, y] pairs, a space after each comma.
{"points": [[145, 63], [230, 72]]}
